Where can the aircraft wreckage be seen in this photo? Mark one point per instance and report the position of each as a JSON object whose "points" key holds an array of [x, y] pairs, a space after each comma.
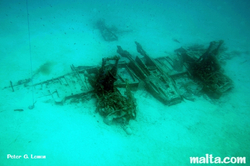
{"points": [[193, 72]]}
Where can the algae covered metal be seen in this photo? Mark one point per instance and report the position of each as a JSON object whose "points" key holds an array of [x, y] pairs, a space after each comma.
{"points": [[194, 72], [164, 77]]}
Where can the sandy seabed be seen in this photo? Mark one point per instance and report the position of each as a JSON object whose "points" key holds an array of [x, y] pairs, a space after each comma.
{"points": [[74, 134]]}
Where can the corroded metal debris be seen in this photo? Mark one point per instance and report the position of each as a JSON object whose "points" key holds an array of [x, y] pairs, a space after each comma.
{"points": [[168, 80]]}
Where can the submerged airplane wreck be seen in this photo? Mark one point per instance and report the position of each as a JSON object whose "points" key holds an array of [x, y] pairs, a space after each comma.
{"points": [[193, 72]]}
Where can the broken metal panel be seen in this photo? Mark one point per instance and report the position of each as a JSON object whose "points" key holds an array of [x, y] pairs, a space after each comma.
{"points": [[132, 64], [158, 83], [124, 74], [164, 92], [168, 66], [161, 86], [169, 80], [142, 66], [59, 88]]}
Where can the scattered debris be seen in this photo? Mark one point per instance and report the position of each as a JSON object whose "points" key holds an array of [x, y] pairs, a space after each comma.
{"points": [[207, 70], [176, 40], [194, 71], [19, 110], [108, 33]]}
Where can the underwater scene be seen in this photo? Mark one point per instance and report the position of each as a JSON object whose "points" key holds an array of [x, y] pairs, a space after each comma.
{"points": [[124, 83]]}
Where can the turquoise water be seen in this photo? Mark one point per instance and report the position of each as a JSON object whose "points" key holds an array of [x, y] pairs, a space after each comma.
{"points": [[57, 34]]}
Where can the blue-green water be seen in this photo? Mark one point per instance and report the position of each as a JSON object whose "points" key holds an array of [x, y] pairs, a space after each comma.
{"points": [[61, 33]]}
